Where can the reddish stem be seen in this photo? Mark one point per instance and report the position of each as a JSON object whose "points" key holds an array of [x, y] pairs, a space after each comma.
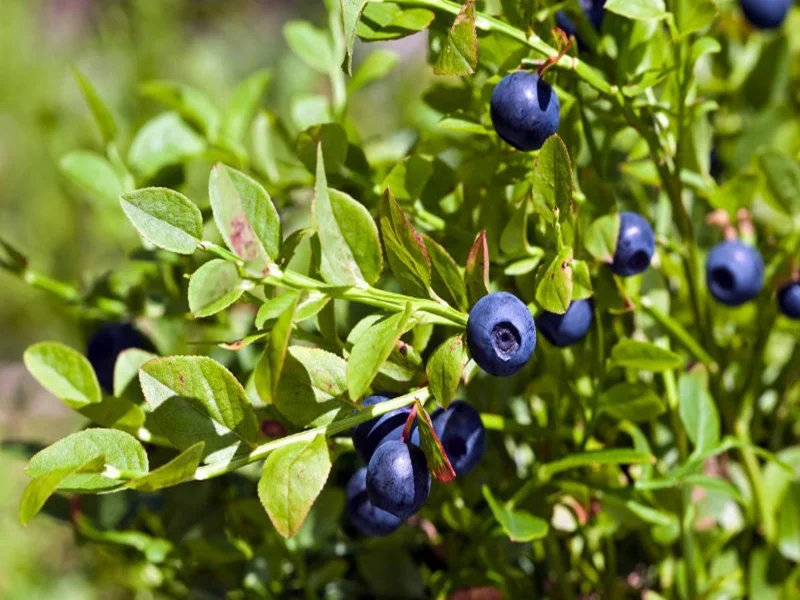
{"points": [[409, 422], [565, 43]]}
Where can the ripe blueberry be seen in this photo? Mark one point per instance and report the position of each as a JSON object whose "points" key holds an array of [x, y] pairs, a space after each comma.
{"points": [[367, 518], [368, 436], [635, 245], [734, 272], [765, 14], [462, 434], [594, 11], [525, 110], [789, 300], [572, 326], [105, 346], [397, 478], [501, 334]]}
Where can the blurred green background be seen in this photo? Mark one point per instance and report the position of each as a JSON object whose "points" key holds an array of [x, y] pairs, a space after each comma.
{"points": [[117, 44]]}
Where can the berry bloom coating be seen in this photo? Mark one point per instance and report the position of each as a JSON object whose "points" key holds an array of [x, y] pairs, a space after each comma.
{"points": [[368, 436], [789, 300], [636, 244], [594, 11], [734, 272], [766, 14], [501, 334], [525, 110], [397, 478], [462, 434], [368, 519], [105, 346], [572, 326]]}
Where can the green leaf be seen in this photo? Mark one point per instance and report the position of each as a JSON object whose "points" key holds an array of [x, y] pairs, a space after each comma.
{"points": [[118, 413], [190, 103], [386, 21], [121, 450], [93, 174], [351, 248], [243, 105], [163, 141], [438, 462], [269, 368], [612, 456], [601, 238], [460, 53], [581, 280], [292, 478], [696, 15], [697, 410], [372, 349], [63, 372], [197, 399], [552, 176], [444, 369], [639, 10], [631, 402], [214, 287], [126, 369], [164, 218], [446, 280], [351, 12], [405, 249], [554, 292], [377, 65], [313, 386], [311, 45], [245, 216], [518, 525], [476, 273], [334, 142], [179, 469], [42, 487], [102, 116], [782, 176], [633, 354], [789, 524]]}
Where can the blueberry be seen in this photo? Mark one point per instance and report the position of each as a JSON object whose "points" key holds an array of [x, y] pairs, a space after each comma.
{"points": [[105, 346], [789, 300], [765, 14], [594, 11], [572, 326], [525, 110], [501, 334], [734, 272], [635, 245], [397, 478], [367, 518], [462, 434], [368, 436]]}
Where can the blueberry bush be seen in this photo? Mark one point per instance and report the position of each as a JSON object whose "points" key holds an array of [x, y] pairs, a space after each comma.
{"points": [[320, 376]]}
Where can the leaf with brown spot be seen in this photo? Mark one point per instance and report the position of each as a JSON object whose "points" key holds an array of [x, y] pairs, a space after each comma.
{"points": [[476, 274]]}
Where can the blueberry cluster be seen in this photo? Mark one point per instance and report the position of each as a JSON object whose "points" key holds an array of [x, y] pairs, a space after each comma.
{"points": [[395, 483]]}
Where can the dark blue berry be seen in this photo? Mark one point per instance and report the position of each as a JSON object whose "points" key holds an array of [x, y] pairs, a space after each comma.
{"points": [[462, 434], [789, 300], [367, 518], [636, 244], [525, 110], [107, 343], [397, 478], [734, 272], [766, 14], [368, 436], [501, 334], [594, 11], [572, 326]]}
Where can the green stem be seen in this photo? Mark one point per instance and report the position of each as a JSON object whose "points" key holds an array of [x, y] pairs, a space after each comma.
{"points": [[680, 334], [261, 452]]}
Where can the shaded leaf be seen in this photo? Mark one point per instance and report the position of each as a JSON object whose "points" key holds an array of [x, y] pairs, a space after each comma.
{"points": [[126, 369], [214, 287], [163, 141], [518, 525], [438, 462], [377, 65], [631, 402], [405, 249], [476, 273], [189, 102], [42, 487], [102, 116], [179, 469], [244, 103], [601, 238], [552, 176], [554, 292], [446, 280], [633, 354], [311, 45], [444, 369], [268, 370], [697, 410], [351, 12]]}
